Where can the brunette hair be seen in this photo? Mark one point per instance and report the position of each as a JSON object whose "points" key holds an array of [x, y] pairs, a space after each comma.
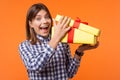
{"points": [[31, 14]]}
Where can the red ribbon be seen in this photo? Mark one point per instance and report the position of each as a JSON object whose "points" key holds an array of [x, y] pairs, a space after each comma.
{"points": [[71, 35], [77, 23], [71, 32]]}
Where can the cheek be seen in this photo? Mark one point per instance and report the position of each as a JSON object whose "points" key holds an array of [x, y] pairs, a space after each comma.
{"points": [[35, 25], [50, 21]]}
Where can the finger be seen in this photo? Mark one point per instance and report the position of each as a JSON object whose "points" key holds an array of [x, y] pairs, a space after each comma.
{"points": [[61, 19], [67, 29], [97, 44], [54, 22], [93, 47], [64, 21], [67, 23], [85, 44]]}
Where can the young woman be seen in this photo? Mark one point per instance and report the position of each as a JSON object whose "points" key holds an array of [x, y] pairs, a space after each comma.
{"points": [[47, 58]]}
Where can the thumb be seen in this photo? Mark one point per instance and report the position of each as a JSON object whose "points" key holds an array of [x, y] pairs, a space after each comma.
{"points": [[68, 28], [54, 22]]}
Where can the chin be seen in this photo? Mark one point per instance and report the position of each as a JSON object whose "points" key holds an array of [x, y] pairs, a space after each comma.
{"points": [[45, 35]]}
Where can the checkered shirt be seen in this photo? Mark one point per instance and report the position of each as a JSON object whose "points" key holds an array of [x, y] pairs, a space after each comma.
{"points": [[45, 63]]}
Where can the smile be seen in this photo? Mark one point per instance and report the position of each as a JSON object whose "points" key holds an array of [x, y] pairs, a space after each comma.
{"points": [[43, 27]]}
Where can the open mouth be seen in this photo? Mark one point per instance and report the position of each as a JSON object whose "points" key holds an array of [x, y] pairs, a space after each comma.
{"points": [[43, 28]]}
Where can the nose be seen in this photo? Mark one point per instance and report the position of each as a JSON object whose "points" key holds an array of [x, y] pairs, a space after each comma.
{"points": [[44, 20]]}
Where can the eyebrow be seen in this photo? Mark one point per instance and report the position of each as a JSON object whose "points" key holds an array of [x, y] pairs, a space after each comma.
{"points": [[45, 15], [38, 15]]}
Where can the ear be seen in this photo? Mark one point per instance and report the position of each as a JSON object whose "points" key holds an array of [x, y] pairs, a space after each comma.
{"points": [[30, 23]]}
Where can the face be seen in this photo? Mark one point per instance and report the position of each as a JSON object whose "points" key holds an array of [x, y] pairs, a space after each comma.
{"points": [[41, 23]]}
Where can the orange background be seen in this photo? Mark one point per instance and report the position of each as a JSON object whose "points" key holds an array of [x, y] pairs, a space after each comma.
{"points": [[102, 63]]}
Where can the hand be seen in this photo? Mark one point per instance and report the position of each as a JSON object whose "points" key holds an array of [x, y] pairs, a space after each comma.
{"points": [[84, 47], [61, 28]]}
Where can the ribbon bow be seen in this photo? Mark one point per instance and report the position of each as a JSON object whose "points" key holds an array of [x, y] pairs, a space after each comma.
{"points": [[71, 32], [77, 23]]}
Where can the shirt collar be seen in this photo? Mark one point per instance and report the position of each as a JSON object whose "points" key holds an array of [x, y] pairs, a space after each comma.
{"points": [[43, 39]]}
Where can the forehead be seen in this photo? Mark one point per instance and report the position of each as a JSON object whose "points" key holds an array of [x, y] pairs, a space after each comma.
{"points": [[42, 13]]}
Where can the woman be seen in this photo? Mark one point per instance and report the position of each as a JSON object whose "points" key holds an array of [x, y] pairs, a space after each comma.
{"points": [[47, 58]]}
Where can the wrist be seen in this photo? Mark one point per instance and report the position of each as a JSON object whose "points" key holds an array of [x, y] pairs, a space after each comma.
{"points": [[77, 57], [53, 42], [56, 38], [79, 53]]}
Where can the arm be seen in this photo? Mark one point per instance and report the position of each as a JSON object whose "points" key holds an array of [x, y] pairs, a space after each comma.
{"points": [[72, 63], [35, 60]]}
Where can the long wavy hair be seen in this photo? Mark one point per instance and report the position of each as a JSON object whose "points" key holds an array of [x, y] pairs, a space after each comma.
{"points": [[31, 14]]}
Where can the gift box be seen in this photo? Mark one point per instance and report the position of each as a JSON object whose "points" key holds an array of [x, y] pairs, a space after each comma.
{"points": [[80, 32], [82, 26], [77, 36]]}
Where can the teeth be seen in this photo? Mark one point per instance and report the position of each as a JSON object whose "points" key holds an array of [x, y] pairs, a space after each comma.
{"points": [[43, 27]]}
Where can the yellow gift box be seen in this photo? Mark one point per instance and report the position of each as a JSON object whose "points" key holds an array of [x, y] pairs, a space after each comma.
{"points": [[77, 36], [79, 25]]}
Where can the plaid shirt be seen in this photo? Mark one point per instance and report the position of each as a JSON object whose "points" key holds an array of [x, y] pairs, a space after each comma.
{"points": [[45, 63]]}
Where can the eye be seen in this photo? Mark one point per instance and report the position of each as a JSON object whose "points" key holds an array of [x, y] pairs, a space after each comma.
{"points": [[38, 18]]}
